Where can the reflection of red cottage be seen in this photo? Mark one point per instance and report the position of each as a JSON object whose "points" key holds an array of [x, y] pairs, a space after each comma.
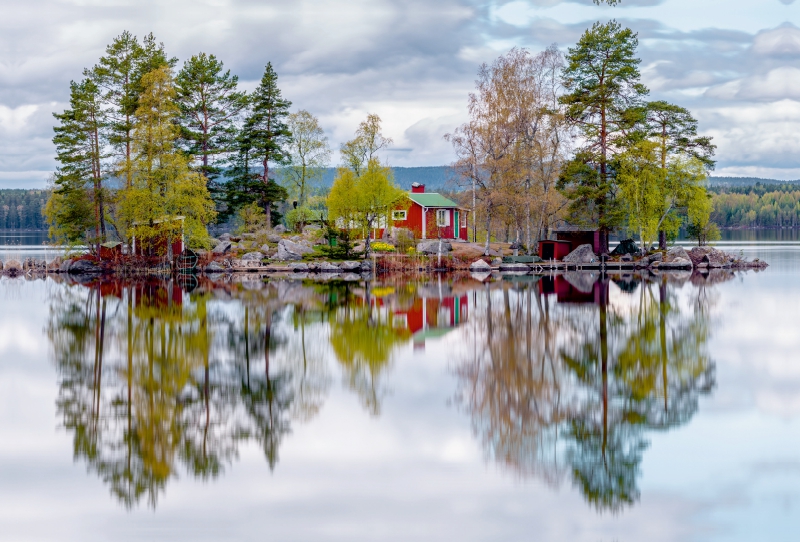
{"points": [[432, 317], [430, 215]]}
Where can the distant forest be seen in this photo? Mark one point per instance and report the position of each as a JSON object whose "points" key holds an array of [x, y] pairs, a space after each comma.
{"points": [[739, 202], [21, 209], [768, 204]]}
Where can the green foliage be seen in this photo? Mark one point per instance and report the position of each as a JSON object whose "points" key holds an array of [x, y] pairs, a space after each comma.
{"points": [[250, 218], [209, 104], [262, 140], [162, 185], [309, 155], [759, 206], [22, 209], [603, 92], [363, 201]]}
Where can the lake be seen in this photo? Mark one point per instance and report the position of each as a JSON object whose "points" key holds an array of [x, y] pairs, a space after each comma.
{"points": [[574, 407]]}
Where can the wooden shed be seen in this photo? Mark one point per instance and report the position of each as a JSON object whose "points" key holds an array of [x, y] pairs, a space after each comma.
{"points": [[554, 250]]}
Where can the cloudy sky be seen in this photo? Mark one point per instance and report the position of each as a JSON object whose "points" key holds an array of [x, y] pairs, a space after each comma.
{"points": [[735, 63]]}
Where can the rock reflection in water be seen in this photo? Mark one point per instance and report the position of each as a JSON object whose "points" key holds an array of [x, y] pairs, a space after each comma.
{"points": [[564, 383]]}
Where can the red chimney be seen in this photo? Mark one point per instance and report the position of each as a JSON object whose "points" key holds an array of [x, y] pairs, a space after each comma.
{"points": [[417, 188]]}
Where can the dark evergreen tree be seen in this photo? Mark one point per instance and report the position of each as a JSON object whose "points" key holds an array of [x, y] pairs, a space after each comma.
{"points": [[263, 141], [209, 105], [78, 181], [603, 101]]}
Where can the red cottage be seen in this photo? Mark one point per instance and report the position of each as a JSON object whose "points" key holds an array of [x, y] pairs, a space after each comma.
{"points": [[431, 215]]}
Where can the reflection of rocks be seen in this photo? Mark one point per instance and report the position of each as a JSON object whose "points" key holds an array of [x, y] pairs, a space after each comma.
{"points": [[710, 277], [584, 282]]}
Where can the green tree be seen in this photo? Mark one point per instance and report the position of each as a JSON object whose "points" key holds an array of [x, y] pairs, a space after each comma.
{"points": [[359, 151], [79, 151], [364, 200], [309, 154], [603, 92], [209, 104], [162, 185], [675, 130], [119, 74], [265, 135]]}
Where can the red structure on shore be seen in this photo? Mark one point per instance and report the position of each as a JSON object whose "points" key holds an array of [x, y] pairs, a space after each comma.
{"points": [[429, 215]]}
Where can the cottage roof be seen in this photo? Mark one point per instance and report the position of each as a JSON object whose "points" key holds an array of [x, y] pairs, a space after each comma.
{"points": [[431, 199]]}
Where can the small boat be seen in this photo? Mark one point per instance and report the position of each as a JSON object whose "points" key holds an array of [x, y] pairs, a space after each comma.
{"points": [[186, 262]]}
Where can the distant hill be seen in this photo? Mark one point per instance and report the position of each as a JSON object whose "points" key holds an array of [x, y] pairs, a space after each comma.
{"points": [[433, 177], [745, 181]]}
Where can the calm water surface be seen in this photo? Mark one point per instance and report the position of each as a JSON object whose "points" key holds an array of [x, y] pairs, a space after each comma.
{"points": [[576, 407]]}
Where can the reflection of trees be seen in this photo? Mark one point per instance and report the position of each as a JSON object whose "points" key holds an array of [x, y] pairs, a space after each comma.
{"points": [[363, 341], [572, 390], [150, 380]]}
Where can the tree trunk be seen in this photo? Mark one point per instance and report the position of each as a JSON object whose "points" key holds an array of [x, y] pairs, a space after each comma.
{"points": [[662, 240], [488, 229]]}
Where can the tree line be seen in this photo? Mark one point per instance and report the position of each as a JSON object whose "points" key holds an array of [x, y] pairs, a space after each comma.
{"points": [[143, 141], [759, 206], [554, 137], [22, 209]]}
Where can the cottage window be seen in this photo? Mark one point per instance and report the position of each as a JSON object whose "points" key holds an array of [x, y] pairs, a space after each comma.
{"points": [[399, 215], [442, 218]]}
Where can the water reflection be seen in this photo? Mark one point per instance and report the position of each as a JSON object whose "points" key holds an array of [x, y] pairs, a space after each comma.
{"points": [[564, 384], [564, 377]]}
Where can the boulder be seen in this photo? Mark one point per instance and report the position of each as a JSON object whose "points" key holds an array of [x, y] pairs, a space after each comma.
{"points": [[677, 263], [12, 267], [225, 237], [432, 247], [84, 267], [265, 249], [214, 267], [480, 266], [274, 238], [366, 265], [656, 257], [248, 236], [626, 246], [514, 268], [581, 255], [280, 228], [311, 228], [497, 262], [350, 266], [255, 256], [65, 265], [676, 252], [289, 250], [327, 267], [223, 248], [298, 267], [698, 255]]}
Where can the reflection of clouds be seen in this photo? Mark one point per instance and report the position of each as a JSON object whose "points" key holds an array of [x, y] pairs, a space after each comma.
{"points": [[756, 346]]}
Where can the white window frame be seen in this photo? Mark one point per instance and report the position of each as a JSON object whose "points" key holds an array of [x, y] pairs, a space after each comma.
{"points": [[442, 223], [399, 216]]}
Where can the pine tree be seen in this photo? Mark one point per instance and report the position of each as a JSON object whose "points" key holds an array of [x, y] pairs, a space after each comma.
{"points": [[603, 97], [209, 105], [162, 185], [78, 181], [119, 75], [265, 134]]}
